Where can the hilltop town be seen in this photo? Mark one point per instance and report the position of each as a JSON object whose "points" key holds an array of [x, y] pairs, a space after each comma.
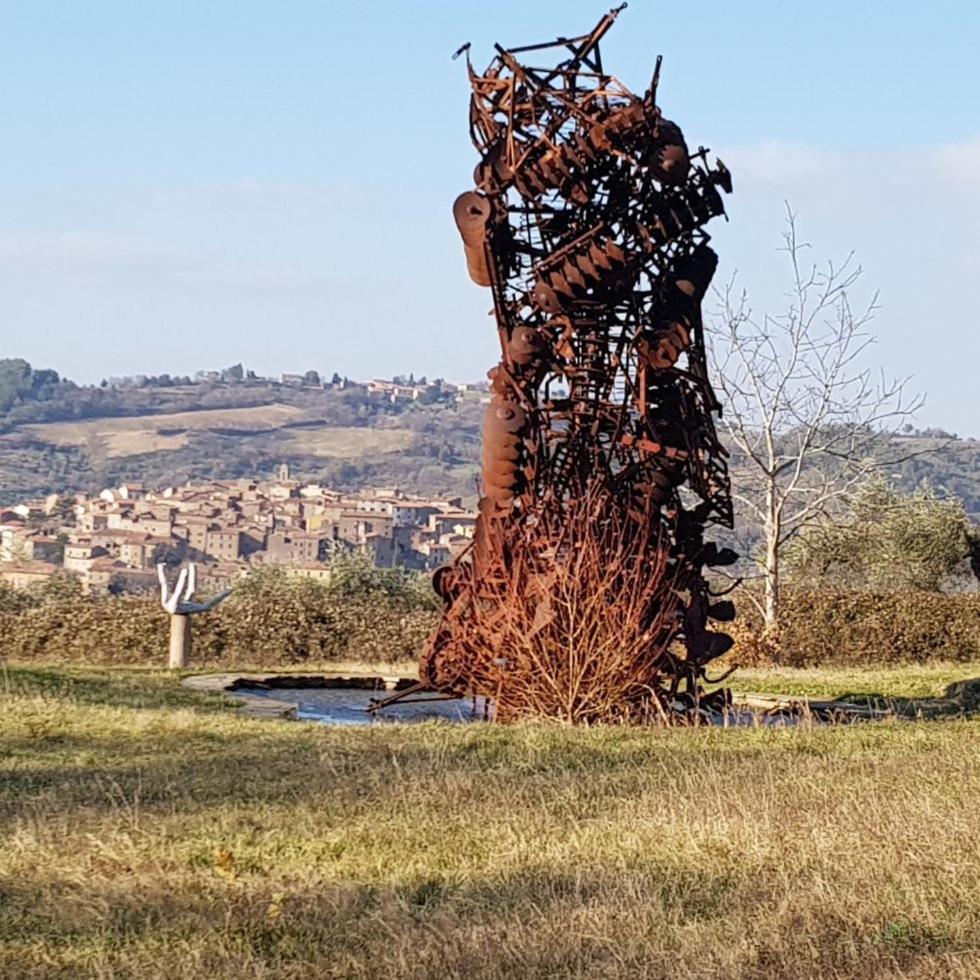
{"points": [[114, 540]]}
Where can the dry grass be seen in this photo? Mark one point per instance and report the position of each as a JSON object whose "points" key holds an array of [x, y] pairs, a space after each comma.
{"points": [[349, 443], [150, 833], [134, 435], [908, 681], [142, 433]]}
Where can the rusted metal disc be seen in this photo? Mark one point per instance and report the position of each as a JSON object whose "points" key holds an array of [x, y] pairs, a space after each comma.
{"points": [[599, 257], [561, 285], [671, 162], [504, 417], [500, 495], [615, 253], [500, 472], [471, 212], [498, 443], [572, 274], [545, 298], [524, 345], [587, 266], [695, 274]]}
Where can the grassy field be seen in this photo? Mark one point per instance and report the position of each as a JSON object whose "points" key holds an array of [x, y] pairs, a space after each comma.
{"points": [[908, 681], [150, 832], [135, 435], [127, 435], [338, 442]]}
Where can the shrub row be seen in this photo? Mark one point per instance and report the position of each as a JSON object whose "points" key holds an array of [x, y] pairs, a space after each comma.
{"points": [[290, 627], [848, 627], [273, 623]]}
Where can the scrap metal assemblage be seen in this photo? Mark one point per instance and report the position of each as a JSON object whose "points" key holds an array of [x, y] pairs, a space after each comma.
{"points": [[586, 224]]}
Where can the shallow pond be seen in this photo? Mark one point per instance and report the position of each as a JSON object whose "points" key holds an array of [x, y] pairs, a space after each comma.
{"points": [[349, 706]]}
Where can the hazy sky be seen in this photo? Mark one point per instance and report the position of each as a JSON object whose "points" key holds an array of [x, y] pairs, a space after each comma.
{"points": [[190, 184]]}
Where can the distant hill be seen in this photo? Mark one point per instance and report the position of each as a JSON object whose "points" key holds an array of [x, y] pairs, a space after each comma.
{"points": [[950, 464], [71, 438], [60, 437]]}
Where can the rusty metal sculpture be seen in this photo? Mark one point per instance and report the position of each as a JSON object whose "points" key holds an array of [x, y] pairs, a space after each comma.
{"points": [[601, 466]]}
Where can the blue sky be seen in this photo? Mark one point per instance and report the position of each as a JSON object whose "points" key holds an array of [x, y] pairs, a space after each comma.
{"points": [[198, 183]]}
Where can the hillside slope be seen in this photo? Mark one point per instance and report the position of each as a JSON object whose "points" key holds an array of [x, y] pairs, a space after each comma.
{"points": [[341, 438]]}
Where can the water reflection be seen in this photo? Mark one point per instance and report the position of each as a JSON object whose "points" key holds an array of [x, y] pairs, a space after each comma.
{"points": [[349, 706]]}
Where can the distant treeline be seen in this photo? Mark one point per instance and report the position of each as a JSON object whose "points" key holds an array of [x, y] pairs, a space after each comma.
{"points": [[29, 395]]}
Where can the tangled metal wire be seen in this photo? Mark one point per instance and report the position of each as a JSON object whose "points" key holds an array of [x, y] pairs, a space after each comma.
{"points": [[586, 223]]}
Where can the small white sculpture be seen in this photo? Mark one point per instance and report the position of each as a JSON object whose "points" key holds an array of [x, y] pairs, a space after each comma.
{"points": [[181, 606]]}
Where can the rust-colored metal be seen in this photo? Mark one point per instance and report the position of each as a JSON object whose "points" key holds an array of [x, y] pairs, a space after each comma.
{"points": [[587, 224]]}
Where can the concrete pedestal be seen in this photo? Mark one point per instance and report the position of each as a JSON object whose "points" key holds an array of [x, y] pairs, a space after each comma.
{"points": [[180, 641]]}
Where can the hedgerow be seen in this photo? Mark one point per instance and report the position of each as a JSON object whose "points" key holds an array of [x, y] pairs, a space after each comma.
{"points": [[269, 620], [274, 621], [847, 627]]}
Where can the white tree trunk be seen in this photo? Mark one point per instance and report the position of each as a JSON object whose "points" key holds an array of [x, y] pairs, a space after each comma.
{"points": [[773, 529]]}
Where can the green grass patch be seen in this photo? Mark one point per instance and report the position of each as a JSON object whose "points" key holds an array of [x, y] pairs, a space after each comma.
{"points": [[906, 681]]}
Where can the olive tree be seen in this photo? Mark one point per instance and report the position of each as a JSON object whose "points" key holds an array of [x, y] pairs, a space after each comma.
{"points": [[886, 541]]}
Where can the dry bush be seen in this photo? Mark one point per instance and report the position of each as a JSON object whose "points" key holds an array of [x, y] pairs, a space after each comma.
{"points": [[578, 628]]}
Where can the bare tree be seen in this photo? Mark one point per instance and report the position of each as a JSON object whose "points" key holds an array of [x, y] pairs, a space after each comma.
{"points": [[806, 419]]}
